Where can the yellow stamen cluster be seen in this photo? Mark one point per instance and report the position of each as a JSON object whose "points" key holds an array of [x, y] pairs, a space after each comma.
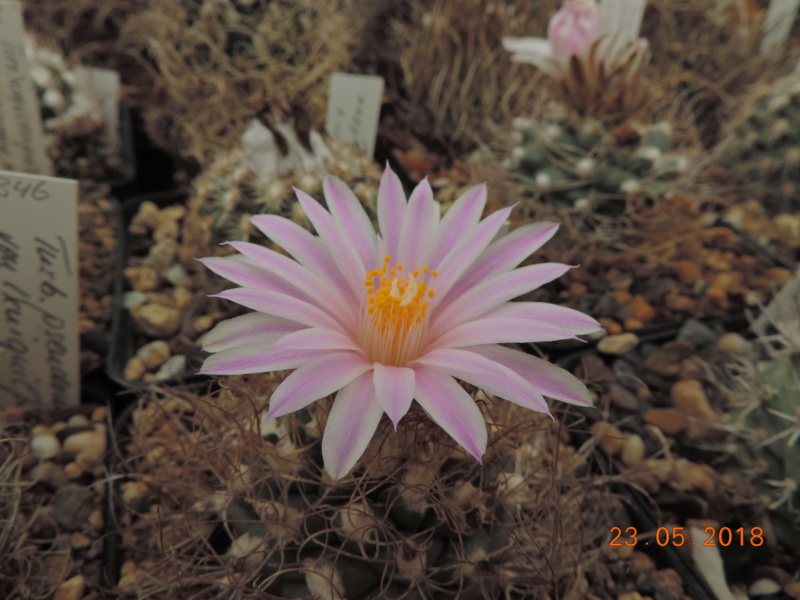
{"points": [[394, 327]]}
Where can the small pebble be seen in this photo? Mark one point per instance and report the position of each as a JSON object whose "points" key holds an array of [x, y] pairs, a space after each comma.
{"points": [[94, 439], [697, 332], [132, 299], [734, 344], [176, 275], [175, 365], [133, 490], [78, 421], [691, 476], [610, 438], [71, 589], [154, 354], [79, 540], [632, 451], [618, 344], [99, 414], [156, 320], [50, 473], [663, 363], [73, 470], [45, 446], [792, 590], [623, 399], [669, 420], [764, 587], [134, 369]]}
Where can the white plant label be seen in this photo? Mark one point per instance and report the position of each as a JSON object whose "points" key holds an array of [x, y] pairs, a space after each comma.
{"points": [[778, 24], [354, 106], [102, 85], [22, 145], [622, 17], [39, 346]]}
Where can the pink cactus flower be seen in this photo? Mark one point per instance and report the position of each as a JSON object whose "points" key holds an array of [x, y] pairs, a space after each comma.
{"points": [[385, 319], [573, 27]]}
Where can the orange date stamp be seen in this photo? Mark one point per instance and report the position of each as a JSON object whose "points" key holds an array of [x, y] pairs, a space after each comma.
{"points": [[674, 536]]}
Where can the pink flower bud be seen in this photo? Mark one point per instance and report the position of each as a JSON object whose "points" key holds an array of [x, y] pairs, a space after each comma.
{"points": [[573, 27]]}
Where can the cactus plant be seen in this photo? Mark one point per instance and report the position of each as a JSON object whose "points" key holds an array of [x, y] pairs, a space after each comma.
{"points": [[417, 519], [233, 188], [768, 444], [763, 151], [585, 166]]}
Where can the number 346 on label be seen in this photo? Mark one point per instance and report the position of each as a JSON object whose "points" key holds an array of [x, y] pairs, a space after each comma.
{"points": [[674, 536]]}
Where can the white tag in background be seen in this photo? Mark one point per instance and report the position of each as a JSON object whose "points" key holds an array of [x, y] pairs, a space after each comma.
{"points": [[22, 145], [39, 297], [778, 22], [354, 107], [622, 17], [102, 86]]}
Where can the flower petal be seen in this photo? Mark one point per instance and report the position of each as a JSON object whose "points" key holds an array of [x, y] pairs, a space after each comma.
{"points": [[242, 271], [492, 292], [339, 247], [394, 390], [500, 329], [321, 292], [463, 254], [451, 407], [317, 339], [419, 225], [505, 254], [486, 374], [254, 358], [351, 424], [391, 209], [550, 380], [351, 218], [461, 218], [569, 319], [248, 329], [306, 248], [316, 379], [281, 305]]}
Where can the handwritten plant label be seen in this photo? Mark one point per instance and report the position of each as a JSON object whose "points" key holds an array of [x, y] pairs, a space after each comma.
{"points": [[622, 17], [22, 146], [39, 352], [778, 24], [354, 106]]}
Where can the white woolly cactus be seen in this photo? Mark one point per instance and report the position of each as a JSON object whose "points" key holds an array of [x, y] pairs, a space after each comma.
{"points": [[257, 177], [585, 166]]}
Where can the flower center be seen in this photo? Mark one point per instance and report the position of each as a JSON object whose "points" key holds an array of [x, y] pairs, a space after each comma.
{"points": [[394, 324]]}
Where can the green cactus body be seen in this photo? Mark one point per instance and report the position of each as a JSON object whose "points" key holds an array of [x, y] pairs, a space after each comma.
{"points": [[763, 146], [576, 166], [768, 445]]}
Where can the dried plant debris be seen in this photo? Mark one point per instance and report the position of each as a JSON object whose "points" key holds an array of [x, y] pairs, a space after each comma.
{"points": [[205, 67], [98, 230], [76, 122], [218, 500], [658, 265], [51, 498], [450, 82]]}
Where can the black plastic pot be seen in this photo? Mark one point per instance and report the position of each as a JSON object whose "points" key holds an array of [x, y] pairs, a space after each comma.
{"points": [[125, 340]]}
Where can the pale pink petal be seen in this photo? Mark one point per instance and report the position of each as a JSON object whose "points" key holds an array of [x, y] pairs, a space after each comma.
{"points": [[499, 329], [248, 329], [505, 254], [339, 247], [534, 51], [394, 389], [452, 409], [460, 219], [491, 293], [281, 305], [550, 380], [305, 247], [351, 218], [317, 339], [320, 290], [569, 319], [351, 424], [419, 225], [488, 375], [242, 271], [254, 358], [391, 210], [464, 254], [316, 379]]}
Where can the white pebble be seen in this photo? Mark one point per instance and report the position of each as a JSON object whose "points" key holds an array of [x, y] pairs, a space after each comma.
{"points": [[45, 446]]}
